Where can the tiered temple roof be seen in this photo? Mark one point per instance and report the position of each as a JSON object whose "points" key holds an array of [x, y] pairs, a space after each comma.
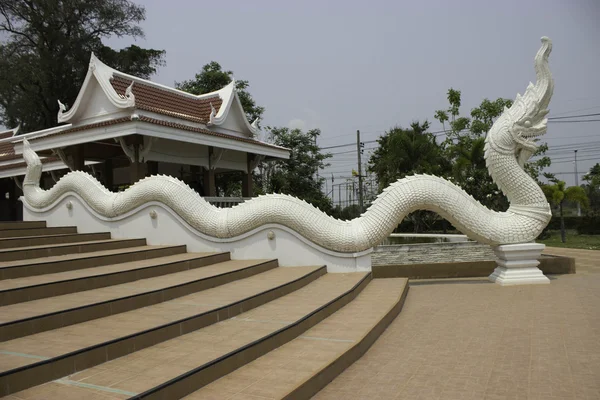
{"points": [[112, 105]]}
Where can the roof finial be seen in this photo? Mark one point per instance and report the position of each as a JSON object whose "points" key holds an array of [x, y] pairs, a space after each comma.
{"points": [[61, 107], [129, 93], [93, 59], [213, 114]]}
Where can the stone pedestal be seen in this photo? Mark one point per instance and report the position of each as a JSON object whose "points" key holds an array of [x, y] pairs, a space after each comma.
{"points": [[517, 264]]}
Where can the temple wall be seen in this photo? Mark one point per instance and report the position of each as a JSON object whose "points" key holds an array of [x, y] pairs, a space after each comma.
{"points": [[160, 225]]}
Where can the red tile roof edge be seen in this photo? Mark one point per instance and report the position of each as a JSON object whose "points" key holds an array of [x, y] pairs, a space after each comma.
{"points": [[205, 131], [173, 103], [23, 164], [159, 122]]}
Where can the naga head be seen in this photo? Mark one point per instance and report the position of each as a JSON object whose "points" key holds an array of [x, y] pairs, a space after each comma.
{"points": [[531, 108], [526, 118]]}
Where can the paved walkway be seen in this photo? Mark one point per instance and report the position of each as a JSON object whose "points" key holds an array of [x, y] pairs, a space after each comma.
{"points": [[471, 339]]}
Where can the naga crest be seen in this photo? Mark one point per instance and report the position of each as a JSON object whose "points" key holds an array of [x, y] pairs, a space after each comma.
{"points": [[526, 119]]}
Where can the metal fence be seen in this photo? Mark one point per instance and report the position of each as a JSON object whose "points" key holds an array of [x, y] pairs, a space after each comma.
{"points": [[226, 202]]}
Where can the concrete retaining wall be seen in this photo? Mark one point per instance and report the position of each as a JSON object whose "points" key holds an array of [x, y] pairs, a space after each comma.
{"points": [[427, 253]]}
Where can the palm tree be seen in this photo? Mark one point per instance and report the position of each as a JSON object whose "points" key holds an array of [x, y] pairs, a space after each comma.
{"points": [[557, 194]]}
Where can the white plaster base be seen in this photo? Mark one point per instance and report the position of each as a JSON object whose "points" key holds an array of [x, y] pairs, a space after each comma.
{"points": [[290, 248], [517, 264]]}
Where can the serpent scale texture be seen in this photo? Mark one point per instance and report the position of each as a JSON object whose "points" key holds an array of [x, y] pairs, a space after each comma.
{"points": [[508, 145]]}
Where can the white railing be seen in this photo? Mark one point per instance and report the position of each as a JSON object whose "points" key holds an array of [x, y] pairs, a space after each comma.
{"points": [[226, 202]]}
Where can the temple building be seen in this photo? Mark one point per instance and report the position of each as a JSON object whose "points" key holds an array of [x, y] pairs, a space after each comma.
{"points": [[122, 128]]}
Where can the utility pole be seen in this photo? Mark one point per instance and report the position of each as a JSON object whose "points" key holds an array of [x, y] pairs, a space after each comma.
{"points": [[332, 191], [577, 184], [359, 146], [320, 186]]}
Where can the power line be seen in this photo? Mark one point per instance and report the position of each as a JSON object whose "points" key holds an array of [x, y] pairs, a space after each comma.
{"points": [[581, 109], [573, 116], [573, 137], [583, 159], [579, 120]]}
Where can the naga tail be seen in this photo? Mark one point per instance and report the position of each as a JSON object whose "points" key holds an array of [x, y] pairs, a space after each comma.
{"points": [[33, 172]]}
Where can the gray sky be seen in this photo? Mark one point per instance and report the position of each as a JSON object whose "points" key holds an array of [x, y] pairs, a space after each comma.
{"points": [[347, 65]]}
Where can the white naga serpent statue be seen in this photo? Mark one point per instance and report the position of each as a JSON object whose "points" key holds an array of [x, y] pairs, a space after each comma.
{"points": [[509, 144]]}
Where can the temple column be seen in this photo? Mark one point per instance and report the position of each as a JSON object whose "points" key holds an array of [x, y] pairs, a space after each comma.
{"points": [[195, 179], [108, 175], [194, 173], [152, 167], [247, 182], [13, 200], [137, 169], [210, 189], [78, 157]]}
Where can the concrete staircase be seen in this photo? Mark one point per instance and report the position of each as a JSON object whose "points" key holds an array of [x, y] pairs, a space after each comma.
{"points": [[84, 316]]}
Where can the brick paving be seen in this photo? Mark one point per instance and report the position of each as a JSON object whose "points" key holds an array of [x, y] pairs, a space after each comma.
{"points": [[279, 372], [471, 339]]}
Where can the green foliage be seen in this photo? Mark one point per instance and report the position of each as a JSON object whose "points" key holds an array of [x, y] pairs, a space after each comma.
{"points": [[346, 213], [593, 177], [482, 117], [212, 77], [229, 184], [45, 52], [557, 194], [586, 224], [133, 60], [576, 241], [535, 168], [403, 152], [298, 175], [590, 225], [592, 190]]}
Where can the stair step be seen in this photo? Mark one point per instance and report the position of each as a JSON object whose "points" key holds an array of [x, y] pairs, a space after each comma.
{"points": [[302, 367], [20, 253], [29, 241], [182, 365], [37, 231], [13, 291], [70, 262], [5, 226], [36, 316], [45, 356]]}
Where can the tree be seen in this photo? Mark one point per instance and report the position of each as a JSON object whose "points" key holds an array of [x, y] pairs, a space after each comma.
{"points": [[557, 194], [593, 177], [403, 152], [298, 175], [592, 190], [212, 77], [45, 54]]}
